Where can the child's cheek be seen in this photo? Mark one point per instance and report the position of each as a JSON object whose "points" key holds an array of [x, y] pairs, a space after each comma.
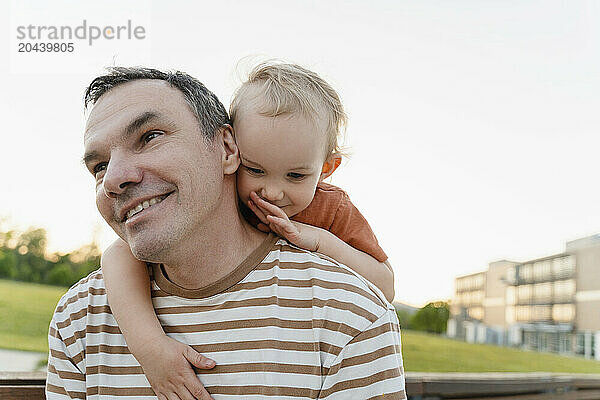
{"points": [[244, 186]]}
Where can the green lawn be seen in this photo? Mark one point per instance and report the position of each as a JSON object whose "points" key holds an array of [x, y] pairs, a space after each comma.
{"points": [[26, 309], [430, 353], [25, 313]]}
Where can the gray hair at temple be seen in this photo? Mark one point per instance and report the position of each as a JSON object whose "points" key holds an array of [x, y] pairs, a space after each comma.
{"points": [[205, 105]]}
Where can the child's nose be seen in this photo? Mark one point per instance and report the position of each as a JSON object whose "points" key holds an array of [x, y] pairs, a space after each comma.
{"points": [[271, 194]]}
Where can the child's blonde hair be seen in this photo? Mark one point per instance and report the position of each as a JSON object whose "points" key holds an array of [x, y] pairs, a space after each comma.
{"points": [[277, 88]]}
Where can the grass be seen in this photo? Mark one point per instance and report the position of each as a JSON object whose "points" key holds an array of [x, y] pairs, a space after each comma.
{"points": [[26, 310], [431, 353], [25, 313]]}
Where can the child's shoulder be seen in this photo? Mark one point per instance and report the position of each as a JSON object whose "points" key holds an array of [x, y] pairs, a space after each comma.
{"points": [[331, 196], [328, 188], [328, 203]]}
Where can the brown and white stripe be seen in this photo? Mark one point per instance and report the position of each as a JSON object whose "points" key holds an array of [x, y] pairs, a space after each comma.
{"points": [[286, 324]]}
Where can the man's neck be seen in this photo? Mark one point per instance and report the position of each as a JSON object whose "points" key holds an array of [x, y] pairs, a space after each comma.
{"points": [[214, 252]]}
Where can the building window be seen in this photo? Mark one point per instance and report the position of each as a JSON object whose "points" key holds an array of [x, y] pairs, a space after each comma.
{"points": [[563, 312], [570, 263], [542, 270], [564, 290], [543, 342], [525, 272], [530, 340], [470, 283], [541, 313], [580, 344], [564, 267], [565, 343], [524, 293], [542, 292], [523, 313], [475, 313]]}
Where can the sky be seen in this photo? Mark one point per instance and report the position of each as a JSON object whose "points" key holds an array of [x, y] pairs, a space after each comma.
{"points": [[473, 131]]}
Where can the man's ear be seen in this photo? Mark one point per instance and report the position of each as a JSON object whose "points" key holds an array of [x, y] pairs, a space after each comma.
{"points": [[231, 154], [330, 165]]}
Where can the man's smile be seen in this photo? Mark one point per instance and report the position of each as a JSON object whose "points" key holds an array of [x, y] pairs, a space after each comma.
{"points": [[140, 205]]}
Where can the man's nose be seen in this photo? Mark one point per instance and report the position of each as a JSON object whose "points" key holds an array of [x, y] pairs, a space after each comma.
{"points": [[120, 174], [271, 193]]}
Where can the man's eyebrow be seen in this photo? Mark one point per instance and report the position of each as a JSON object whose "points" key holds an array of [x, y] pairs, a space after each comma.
{"points": [[140, 121], [89, 156], [133, 126]]}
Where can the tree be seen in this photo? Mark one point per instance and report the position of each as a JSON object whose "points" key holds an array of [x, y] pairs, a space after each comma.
{"points": [[404, 317], [23, 257], [33, 241], [431, 318], [61, 275], [8, 263]]}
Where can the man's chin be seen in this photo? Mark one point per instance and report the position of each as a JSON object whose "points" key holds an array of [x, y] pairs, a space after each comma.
{"points": [[147, 252], [144, 248]]}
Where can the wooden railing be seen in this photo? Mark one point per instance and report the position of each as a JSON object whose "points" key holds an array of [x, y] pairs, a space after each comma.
{"points": [[22, 385], [502, 386], [419, 386]]}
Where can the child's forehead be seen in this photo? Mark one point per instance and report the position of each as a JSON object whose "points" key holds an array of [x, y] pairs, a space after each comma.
{"points": [[294, 126], [280, 141], [281, 159]]}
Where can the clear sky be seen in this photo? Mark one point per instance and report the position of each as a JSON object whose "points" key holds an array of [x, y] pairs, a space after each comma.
{"points": [[473, 124]]}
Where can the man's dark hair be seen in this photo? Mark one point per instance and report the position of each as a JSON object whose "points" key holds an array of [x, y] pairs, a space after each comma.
{"points": [[207, 108]]}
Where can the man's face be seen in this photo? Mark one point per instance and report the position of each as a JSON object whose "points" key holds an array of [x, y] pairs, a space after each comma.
{"points": [[156, 179]]}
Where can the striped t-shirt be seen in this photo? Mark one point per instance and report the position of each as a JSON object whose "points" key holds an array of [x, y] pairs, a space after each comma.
{"points": [[285, 324]]}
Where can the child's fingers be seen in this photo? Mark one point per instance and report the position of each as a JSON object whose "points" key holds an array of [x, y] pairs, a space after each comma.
{"points": [[197, 359], [283, 225], [257, 211], [265, 205], [258, 203]]}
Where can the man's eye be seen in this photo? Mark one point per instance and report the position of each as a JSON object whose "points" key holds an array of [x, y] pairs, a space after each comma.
{"points": [[151, 135], [99, 168], [256, 171], [296, 175]]}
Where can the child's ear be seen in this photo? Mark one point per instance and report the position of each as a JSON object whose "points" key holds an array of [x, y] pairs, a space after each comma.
{"points": [[231, 155], [330, 165]]}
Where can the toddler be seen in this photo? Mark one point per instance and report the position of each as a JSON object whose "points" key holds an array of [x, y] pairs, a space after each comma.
{"points": [[286, 121]]}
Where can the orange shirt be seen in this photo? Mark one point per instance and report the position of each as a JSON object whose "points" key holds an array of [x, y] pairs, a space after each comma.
{"points": [[332, 210]]}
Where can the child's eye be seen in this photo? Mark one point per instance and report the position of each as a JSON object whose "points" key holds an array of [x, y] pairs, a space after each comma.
{"points": [[296, 175], [255, 171]]}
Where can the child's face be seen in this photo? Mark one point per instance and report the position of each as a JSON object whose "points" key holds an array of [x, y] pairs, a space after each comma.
{"points": [[281, 159]]}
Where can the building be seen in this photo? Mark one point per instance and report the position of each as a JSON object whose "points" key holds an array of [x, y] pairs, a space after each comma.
{"points": [[547, 304]]}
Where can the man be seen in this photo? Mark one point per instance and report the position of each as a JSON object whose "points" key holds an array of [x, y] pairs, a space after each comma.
{"points": [[280, 322]]}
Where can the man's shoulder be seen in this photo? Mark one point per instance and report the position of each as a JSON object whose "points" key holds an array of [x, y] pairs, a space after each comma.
{"points": [[79, 296], [327, 278]]}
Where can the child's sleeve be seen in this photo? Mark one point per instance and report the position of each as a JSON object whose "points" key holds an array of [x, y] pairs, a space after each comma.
{"points": [[350, 226]]}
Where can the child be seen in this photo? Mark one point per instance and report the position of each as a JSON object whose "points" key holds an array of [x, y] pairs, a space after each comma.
{"points": [[286, 121]]}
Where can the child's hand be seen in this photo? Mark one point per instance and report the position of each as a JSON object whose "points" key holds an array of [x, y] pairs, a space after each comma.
{"points": [[273, 218], [166, 364]]}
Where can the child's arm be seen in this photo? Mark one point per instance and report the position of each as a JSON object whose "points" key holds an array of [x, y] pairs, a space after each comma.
{"points": [[165, 361], [313, 238]]}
